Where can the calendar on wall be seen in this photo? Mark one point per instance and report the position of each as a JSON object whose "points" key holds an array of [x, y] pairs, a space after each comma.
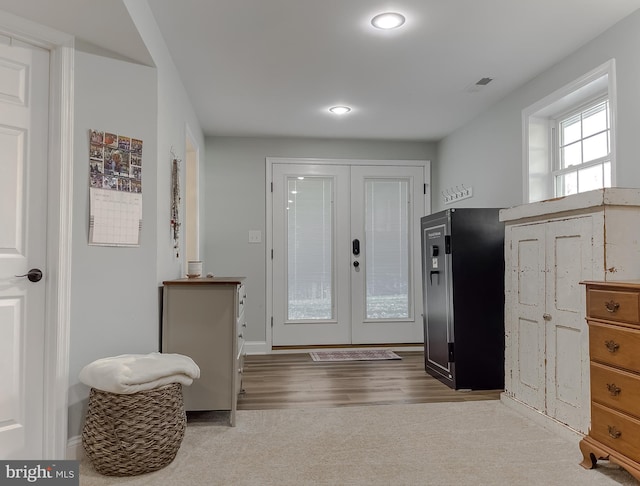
{"points": [[115, 189]]}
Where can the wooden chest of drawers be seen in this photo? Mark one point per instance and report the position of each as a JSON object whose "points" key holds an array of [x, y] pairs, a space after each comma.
{"points": [[613, 315], [204, 318]]}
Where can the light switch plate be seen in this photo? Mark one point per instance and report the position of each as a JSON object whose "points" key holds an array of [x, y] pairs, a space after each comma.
{"points": [[255, 236]]}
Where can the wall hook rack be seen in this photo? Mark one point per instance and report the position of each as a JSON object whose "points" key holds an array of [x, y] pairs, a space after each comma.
{"points": [[457, 193]]}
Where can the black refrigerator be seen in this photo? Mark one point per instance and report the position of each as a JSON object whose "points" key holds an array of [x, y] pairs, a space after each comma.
{"points": [[463, 296]]}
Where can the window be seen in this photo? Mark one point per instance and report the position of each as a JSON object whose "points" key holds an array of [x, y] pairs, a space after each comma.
{"points": [[583, 149], [569, 138]]}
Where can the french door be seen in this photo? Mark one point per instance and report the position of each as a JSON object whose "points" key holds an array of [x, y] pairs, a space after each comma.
{"points": [[346, 253]]}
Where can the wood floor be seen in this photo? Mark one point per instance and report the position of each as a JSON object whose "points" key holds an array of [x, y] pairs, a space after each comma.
{"points": [[278, 381]]}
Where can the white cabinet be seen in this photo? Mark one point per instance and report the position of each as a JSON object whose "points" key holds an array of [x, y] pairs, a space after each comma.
{"points": [[550, 247], [203, 318]]}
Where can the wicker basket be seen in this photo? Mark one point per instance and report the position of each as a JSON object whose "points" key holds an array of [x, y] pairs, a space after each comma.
{"points": [[126, 435]]}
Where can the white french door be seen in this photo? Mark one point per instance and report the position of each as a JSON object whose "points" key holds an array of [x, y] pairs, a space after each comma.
{"points": [[346, 253]]}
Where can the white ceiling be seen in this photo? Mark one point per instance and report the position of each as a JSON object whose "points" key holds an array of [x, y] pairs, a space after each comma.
{"points": [[273, 67]]}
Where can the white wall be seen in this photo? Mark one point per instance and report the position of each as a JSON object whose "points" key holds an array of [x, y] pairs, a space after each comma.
{"points": [[487, 153], [235, 202], [114, 307]]}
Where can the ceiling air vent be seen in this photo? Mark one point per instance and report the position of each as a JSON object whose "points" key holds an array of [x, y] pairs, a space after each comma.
{"points": [[481, 83]]}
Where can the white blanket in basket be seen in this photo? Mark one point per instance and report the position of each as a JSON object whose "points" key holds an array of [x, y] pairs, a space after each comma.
{"points": [[132, 373]]}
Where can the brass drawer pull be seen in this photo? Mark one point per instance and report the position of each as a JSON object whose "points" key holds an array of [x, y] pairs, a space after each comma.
{"points": [[612, 346], [612, 306], [613, 432], [613, 389]]}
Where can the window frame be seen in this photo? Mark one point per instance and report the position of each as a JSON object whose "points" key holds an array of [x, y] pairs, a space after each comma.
{"points": [[557, 145], [538, 182]]}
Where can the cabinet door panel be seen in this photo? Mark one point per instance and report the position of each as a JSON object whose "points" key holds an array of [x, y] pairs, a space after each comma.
{"points": [[569, 260], [525, 307]]}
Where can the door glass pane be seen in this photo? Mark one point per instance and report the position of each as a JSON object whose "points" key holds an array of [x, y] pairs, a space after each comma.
{"points": [[387, 248], [310, 248]]}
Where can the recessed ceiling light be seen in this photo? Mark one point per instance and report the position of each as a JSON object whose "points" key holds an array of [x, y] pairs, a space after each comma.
{"points": [[388, 20], [339, 110]]}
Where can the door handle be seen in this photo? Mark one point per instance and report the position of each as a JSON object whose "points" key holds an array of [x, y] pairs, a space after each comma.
{"points": [[34, 275], [356, 264], [355, 246], [437, 274]]}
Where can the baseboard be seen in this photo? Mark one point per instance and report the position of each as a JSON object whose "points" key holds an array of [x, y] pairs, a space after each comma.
{"points": [[549, 423], [74, 448], [256, 347], [261, 347]]}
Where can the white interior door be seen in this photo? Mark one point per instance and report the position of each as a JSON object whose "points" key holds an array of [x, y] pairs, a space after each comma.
{"points": [[24, 83], [346, 254]]}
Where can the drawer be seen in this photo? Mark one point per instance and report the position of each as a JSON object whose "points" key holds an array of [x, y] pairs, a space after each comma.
{"points": [[613, 305], [239, 372], [617, 346], [242, 297], [619, 431], [615, 388], [241, 339]]}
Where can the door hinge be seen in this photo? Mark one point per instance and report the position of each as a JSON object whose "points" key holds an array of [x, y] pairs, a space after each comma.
{"points": [[451, 354], [447, 244]]}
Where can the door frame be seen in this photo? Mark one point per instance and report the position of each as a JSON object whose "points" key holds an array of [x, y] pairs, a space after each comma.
{"points": [[269, 162], [58, 245]]}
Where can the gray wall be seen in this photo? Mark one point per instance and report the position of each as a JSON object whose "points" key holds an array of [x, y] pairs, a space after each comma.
{"points": [[235, 199], [487, 153], [114, 294], [113, 290]]}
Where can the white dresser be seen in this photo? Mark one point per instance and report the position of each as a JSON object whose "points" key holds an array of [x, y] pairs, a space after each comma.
{"points": [[203, 318], [550, 247]]}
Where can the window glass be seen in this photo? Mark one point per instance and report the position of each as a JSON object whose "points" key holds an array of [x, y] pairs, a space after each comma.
{"points": [[310, 226], [590, 178], [584, 150], [595, 147], [572, 155], [571, 130]]}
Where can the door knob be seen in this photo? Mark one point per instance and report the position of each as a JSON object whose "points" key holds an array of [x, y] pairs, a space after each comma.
{"points": [[356, 264], [34, 275], [546, 317]]}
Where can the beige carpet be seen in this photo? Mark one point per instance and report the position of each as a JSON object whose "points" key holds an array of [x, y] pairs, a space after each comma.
{"points": [[468, 443]]}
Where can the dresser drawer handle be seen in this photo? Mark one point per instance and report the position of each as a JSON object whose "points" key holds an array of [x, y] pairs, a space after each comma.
{"points": [[612, 346], [612, 306], [613, 432], [613, 389]]}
